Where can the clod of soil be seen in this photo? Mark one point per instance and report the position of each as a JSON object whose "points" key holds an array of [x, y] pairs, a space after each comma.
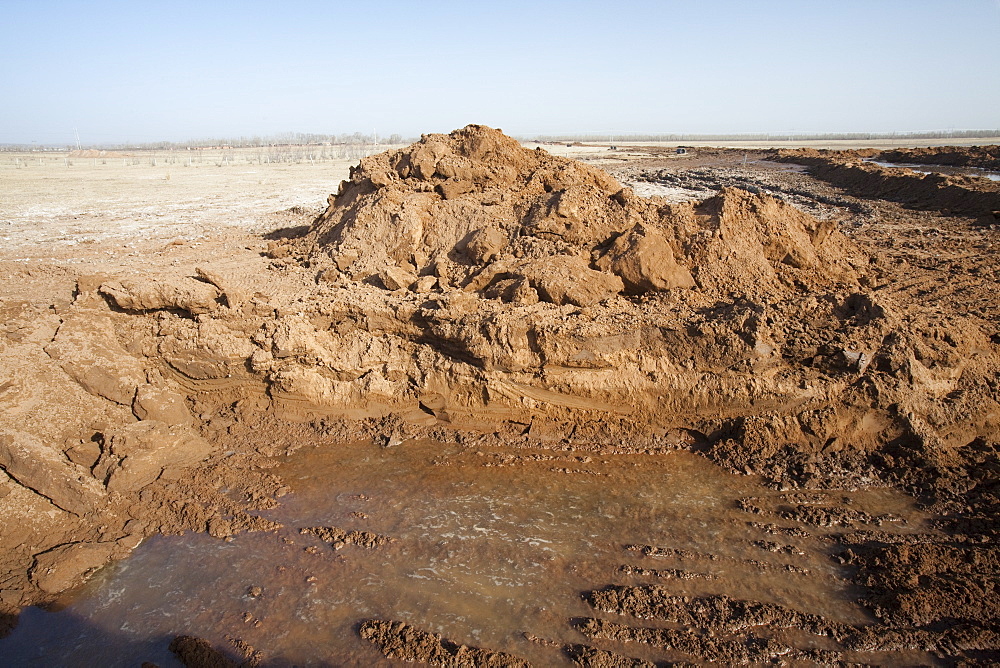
{"points": [[339, 538], [197, 653], [402, 641]]}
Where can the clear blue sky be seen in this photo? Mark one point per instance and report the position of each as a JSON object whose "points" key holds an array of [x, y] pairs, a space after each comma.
{"points": [[146, 71]]}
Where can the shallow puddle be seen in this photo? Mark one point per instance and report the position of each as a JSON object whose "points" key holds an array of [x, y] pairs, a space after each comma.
{"points": [[487, 545]]}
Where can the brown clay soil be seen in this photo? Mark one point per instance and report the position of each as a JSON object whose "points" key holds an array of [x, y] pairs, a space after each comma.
{"points": [[985, 157], [828, 330], [948, 193]]}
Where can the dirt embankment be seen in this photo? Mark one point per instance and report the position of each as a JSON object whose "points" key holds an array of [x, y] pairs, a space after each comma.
{"points": [[958, 194], [983, 157], [468, 284]]}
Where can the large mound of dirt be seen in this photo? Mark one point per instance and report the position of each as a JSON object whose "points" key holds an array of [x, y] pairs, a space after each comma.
{"points": [[475, 210]]}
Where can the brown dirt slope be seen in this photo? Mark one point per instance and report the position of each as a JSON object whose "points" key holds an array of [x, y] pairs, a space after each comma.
{"points": [[475, 210], [955, 194], [984, 157]]}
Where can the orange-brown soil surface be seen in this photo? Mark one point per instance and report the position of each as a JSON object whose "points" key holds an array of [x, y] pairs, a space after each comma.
{"points": [[829, 330], [960, 194]]}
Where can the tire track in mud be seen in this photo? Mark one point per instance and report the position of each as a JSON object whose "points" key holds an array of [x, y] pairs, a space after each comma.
{"points": [[661, 614], [668, 605]]}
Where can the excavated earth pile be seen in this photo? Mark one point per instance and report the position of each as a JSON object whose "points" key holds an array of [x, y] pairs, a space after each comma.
{"points": [[465, 284], [476, 211]]}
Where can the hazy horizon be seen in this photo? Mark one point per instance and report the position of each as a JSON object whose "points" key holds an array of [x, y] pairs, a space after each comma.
{"points": [[118, 72], [296, 139]]}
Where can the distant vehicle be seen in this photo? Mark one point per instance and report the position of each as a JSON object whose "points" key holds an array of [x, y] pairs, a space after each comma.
{"points": [[681, 151]]}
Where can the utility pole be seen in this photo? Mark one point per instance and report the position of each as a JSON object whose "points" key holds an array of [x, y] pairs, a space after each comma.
{"points": [[77, 133]]}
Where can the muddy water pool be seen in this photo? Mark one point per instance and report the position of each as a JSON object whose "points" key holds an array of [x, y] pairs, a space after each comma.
{"points": [[487, 545]]}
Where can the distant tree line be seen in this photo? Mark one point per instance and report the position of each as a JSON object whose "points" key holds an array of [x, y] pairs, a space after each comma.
{"points": [[280, 139], [258, 141], [283, 139], [359, 139]]}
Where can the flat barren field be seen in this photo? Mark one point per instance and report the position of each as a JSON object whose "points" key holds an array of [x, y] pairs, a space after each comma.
{"points": [[470, 402], [63, 204]]}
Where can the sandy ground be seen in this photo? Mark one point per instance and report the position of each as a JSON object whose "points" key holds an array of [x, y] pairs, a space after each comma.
{"points": [[86, 210]]}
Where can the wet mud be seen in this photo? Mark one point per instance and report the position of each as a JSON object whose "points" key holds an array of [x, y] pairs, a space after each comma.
{"points": [[455, 565], [399, 641]]}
